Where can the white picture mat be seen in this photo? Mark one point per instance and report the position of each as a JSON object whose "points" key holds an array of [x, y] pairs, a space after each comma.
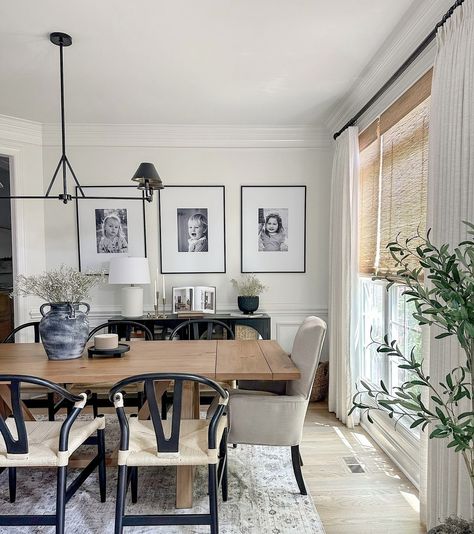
{"points": [[90, 259], [173, 198], [292, 198]]}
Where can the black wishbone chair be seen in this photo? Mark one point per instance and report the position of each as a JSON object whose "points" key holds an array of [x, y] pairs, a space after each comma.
{"points": [[111, 327], [48, 444], [35, 402], [190, 442], [98, 391], [34, 324], [193, 329], [201, 329]]}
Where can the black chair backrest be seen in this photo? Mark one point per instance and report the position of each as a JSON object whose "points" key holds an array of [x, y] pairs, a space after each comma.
{"points": [[19, 445], [113, 327], [199, 328], [11, 336], [163, 444]]}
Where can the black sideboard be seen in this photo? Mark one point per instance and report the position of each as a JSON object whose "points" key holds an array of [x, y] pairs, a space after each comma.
{"points": [[260, 322]]}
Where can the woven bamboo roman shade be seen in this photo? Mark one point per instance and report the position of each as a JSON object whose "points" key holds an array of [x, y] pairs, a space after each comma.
{"points": [[393, 177]]}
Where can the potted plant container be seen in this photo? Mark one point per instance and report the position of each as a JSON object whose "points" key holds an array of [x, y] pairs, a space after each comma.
{"points": [[65, 327], [249, 289]]}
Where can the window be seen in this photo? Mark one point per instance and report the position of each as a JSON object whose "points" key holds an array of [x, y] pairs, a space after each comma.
{"points": [[393, 180], [386, 312]]}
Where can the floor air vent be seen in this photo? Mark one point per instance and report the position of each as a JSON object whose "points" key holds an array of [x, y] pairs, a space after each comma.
{"points": [[353, 464]]}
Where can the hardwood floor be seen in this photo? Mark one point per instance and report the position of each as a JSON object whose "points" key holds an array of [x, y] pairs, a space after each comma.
{"points": [[379, 500]]}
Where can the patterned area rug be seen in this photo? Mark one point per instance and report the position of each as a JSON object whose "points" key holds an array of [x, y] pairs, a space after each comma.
{"points": [[263, 497]]}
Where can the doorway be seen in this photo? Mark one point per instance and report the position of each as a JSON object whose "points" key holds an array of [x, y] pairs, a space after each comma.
{"points": [[6, 265]]}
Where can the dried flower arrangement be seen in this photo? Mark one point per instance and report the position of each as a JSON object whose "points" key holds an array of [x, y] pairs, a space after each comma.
{"points": [[64, 284], [248, 285]]}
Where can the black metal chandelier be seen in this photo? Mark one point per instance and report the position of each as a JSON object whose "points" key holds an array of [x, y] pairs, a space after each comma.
{"points": [[146, 174]]}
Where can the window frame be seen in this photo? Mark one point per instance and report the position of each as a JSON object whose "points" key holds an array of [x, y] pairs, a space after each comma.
{"points": [[401, 443]]}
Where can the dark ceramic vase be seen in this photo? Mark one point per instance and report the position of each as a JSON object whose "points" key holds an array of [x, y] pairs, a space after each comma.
{"points": [[64, 330], [248, 305]]}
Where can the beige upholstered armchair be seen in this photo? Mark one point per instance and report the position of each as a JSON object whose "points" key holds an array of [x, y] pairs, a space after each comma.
{"points": [[262, 418]]}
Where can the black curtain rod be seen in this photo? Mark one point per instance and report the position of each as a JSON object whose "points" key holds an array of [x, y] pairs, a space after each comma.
{"points": [[400, 70]]}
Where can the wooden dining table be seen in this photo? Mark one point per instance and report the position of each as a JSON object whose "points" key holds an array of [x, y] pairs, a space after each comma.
{"points": [[216, 359]]}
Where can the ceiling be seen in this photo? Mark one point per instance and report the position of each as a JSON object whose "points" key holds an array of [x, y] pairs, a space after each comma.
{"points": [[245, 62]]}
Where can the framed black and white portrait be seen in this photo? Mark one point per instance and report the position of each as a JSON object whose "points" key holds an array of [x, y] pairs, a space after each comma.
{"points": [[192, 229], [273, 229], [109, 227]]}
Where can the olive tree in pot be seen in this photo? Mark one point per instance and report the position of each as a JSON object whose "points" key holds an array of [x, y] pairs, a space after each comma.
{"points": [[65, 327], [445, 301], [249, 288]]}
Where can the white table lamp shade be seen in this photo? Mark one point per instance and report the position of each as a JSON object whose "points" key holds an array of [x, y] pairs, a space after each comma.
{"points": [[130, 271]]}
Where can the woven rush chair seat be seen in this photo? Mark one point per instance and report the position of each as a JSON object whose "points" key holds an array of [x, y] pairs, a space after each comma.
{"points": [[43, 442], [193, 443]]}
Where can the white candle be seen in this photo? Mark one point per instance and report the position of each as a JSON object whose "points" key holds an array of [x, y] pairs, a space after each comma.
{"points": [[155, 301], [106, 341], [164, 288]]}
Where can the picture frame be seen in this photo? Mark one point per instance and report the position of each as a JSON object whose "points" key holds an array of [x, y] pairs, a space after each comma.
{"points": [[192, 229], [188, 300], [273, 228], [109, 227]]}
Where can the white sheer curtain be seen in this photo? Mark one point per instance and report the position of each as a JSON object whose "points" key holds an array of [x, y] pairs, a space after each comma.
{"points": [[450, 201], [343, 269]]}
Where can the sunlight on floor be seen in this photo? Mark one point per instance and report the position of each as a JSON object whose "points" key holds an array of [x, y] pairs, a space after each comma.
{"points": [[392, 475], [412, 500], [343, 438], [327, 425]]}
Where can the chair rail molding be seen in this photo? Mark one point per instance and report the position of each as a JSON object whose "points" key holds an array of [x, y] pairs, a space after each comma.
{"points": [[284, 323]]}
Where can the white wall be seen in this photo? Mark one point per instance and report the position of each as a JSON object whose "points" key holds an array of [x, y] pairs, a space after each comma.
{"points": [[21, 141], [283, 160]]}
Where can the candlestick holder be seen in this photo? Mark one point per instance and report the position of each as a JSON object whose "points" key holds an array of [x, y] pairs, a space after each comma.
{"points": [[163, 315], [156, 308]]}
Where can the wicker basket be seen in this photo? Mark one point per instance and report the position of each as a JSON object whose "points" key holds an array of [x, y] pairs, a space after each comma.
{"points": [[245, 332], [321, 383]]}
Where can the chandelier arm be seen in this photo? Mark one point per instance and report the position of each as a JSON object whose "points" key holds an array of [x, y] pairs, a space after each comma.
{"points": [[54, 176], [75, 178], [69, 197], [77, 197]]}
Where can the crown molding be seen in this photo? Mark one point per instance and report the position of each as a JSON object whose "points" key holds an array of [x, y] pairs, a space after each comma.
{"points": [[415, 25], [21, 130], [188, 136]]}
